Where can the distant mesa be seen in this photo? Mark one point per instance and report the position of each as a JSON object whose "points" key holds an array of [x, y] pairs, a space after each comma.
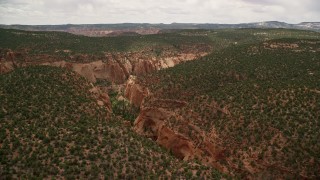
{"points": [[133, 29]]}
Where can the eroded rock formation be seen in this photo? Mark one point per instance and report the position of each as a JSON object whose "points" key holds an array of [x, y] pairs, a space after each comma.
{"points": [[102, 98], [114, 67], [160, 120], [134, 92], [185, 141]]}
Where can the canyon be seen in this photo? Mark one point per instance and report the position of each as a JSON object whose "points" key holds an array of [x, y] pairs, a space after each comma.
{"points": [[122, 69], [182, 137], [239, 102], [115, 67]]}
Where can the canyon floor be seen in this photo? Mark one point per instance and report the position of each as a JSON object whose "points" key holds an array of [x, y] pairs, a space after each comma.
{"points": [[231, 103]]}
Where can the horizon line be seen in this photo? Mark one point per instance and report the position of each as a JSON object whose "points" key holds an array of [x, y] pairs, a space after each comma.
{"points": [[190, 23]]}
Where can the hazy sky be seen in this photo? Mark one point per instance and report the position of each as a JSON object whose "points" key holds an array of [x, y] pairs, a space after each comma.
{"points": [[156, 11]]}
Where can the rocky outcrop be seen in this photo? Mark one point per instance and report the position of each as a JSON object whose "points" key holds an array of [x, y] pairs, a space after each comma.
{"points": [[143, 67], [103, 98], [134, 92], [10, 60], [151, 122], [114, 67], [154, 122], [179, 145], [5, 67], [161, 120], [95, 70]]}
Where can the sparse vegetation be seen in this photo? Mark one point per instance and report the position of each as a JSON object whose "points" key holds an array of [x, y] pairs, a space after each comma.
{"points": [[257, 96], [52, 127], [64, 45], [261, 98], [123, 108]]}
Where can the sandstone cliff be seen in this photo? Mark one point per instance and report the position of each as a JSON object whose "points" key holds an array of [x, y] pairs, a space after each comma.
{"points": [[162, 121], [114, 67], [134, 92], [154, 120], [103, 98]]}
